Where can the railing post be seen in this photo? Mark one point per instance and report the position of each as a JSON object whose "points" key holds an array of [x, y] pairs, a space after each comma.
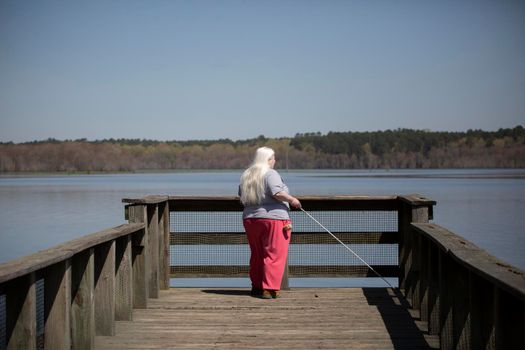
{"points": [[433, 289], [21, 313], [57, 306], [424, 248], [105, 289], [412, 209], [83, 303], [123, 280], [461, 317], [164, 245], [153, 250], [140, 259], [510, 321], [482, 313], [446, 331]]}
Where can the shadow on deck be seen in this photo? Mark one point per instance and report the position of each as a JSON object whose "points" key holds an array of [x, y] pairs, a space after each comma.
{"points": [[304, 318]]}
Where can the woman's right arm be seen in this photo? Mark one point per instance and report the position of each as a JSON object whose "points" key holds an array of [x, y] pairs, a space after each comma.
{"points": [[285, 197]]}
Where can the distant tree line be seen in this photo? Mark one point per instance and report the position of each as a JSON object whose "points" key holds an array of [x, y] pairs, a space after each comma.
{"points": [[401, 148]]}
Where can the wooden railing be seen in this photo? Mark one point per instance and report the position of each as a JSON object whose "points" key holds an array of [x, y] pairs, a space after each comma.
{"points": [[468, 297], [399, 211], [88, 284]]}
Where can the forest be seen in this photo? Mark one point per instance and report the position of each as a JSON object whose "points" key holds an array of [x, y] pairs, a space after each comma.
{"points": [[390, 149]]}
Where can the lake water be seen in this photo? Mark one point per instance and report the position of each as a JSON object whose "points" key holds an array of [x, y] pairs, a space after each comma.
{"points": [[484, 206]]}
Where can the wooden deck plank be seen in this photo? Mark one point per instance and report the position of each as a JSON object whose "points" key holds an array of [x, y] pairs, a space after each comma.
{"points": [[304, 318]]}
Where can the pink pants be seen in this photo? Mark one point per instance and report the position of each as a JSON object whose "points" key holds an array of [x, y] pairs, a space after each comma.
{"points": [[269, 246]]}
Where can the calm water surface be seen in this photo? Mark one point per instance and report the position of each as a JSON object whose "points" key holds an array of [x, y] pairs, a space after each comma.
{"points": [[485, 206]]}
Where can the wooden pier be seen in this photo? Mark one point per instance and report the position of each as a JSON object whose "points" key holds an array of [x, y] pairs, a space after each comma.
{"points": [[110, 289], [304, 318]]}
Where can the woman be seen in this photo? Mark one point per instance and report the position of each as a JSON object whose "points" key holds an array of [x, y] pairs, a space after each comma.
{"points": [[267, 223]]}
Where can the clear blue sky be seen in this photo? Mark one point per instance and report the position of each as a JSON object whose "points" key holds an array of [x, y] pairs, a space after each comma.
{"points": [[179, 70]]}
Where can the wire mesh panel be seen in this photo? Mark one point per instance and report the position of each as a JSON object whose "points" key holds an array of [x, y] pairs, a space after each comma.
{"points": [[213, 244], [40, 295], [371, 234], [207, 221], [346, 221], [208, 244]]}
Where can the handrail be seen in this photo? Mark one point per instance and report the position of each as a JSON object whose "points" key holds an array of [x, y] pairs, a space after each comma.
{"points": [[232, 203], [47, 257], [152, 199], [477, 260]]}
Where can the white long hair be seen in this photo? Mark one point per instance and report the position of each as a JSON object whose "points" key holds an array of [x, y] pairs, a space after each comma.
{"points": [[252, 180]]}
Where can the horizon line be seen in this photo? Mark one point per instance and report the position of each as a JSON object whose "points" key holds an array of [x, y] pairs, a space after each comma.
{"points": [[312, 133]]}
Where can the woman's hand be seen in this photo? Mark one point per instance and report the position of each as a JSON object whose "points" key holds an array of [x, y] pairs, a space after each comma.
{"points": [[295, 203]]}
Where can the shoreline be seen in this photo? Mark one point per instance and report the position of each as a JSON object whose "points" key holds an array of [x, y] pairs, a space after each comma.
{"points": [[416, 173]]}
